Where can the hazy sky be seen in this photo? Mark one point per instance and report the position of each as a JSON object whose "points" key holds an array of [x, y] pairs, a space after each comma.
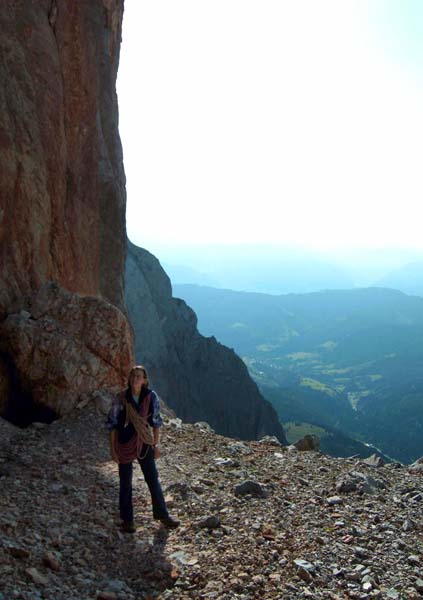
{"points": [[282, 121]]}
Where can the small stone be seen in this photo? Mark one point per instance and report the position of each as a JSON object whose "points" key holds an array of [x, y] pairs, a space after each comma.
{"points": [[56, 487], [36, 576], [270, 439], [250, 487], [268, 532], [115, 586], [367, 587], [417, 465], [85, 398], [224, 462], [305, 569], [183, 558], [292, 449], [334, 500], [304, 575], [419, 585], [203, 427], [407, 525], [239, 448], [210, 522], [106, 596], [348, 539], [374, 461], [413, 559], [208, 482], [392, 594], [346, 486], [175, 423], [303, 481], [307, 443], [18, 552], [360, 568], [51, 561], [360, 552]]}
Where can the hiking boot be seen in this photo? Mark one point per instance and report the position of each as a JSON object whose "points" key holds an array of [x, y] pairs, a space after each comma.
{"points": [[169, 522], [128, 526]]}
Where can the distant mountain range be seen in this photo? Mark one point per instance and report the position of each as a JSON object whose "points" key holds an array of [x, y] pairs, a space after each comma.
{"points": [[278, 275], [282, 270], [345, 359], [407, 279]]}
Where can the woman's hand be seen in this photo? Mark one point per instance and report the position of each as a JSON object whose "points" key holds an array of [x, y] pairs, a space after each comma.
{"points": [[157, 452]]}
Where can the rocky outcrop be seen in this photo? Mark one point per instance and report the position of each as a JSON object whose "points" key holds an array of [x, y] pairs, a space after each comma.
{"points": [[196, 376], [62, 194], [66, 346]]}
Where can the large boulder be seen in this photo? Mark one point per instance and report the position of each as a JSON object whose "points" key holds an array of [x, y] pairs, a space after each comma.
{"points": [[200, 379], [308, 442], [68, 345]]}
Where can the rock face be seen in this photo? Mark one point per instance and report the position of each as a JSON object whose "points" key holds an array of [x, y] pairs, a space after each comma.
{"points": [[196, 376], [62, 188]]}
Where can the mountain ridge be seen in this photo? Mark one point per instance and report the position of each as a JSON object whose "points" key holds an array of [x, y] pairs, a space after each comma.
{"points": [[197, 376]]}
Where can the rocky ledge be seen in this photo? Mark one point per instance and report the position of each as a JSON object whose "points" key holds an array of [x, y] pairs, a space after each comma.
{"points": [[257, 520]]}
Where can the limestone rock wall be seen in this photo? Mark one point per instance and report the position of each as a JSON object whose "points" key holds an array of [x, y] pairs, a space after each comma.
{"points": [[62, 195], [62, 202], [196, 376]]}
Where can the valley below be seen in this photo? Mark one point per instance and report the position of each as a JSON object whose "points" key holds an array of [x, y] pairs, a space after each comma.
{"points": [[346, 361]]}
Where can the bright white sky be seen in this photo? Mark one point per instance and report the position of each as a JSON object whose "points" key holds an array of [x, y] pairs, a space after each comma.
{"points": [[280, 121]]}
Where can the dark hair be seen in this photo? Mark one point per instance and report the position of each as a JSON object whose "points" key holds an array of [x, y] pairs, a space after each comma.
{"points": [[138, 368]]}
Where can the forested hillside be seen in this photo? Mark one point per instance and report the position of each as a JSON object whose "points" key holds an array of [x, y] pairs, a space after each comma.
{"points": [[349, 359]]}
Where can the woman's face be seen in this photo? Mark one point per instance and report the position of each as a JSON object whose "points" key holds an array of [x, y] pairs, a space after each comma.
{"points": [[137, 380]]}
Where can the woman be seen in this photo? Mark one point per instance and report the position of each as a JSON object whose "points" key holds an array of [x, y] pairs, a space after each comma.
{"points": [[134, 423]]}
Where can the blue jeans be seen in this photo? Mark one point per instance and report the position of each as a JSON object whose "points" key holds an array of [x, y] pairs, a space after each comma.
{"points": [[148, 467]]}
